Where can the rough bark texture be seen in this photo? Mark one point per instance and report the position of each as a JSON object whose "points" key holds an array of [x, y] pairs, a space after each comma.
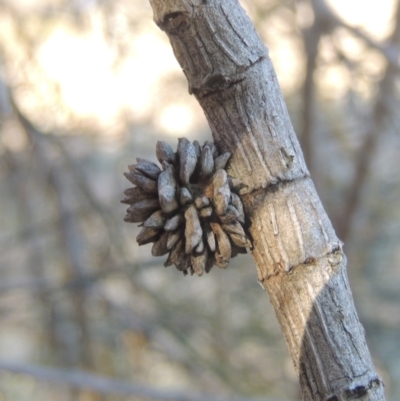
{"points": [[299, 259]]}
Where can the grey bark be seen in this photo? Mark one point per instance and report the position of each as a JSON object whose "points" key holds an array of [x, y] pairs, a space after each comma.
{"points": [[299, 259]]}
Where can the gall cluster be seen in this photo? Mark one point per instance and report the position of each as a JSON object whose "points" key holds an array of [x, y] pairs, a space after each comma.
{"points": [[187, 207]]}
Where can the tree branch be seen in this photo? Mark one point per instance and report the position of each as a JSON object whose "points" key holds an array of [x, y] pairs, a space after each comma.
{"points": [[298, 256]]}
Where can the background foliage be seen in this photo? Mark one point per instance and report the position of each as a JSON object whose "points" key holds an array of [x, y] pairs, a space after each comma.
{"points": [[88, 85]]}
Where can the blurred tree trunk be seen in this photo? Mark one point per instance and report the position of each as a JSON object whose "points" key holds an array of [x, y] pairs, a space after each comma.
{"points": [[299, 259], [382, 112]]}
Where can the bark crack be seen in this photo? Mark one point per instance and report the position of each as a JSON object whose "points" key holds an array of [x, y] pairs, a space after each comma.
{"points": [[275, 185], [238, 142], [212, 86], [246, 118], [241, 37], [336, 251]]}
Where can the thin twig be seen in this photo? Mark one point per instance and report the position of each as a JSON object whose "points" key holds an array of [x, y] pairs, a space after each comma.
{"points": [[69, 228], [312, 37], [366, 154], [391, 51], [105, 385]]}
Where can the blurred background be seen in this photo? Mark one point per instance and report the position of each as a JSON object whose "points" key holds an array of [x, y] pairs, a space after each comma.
{"points": [[86, 86]]}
